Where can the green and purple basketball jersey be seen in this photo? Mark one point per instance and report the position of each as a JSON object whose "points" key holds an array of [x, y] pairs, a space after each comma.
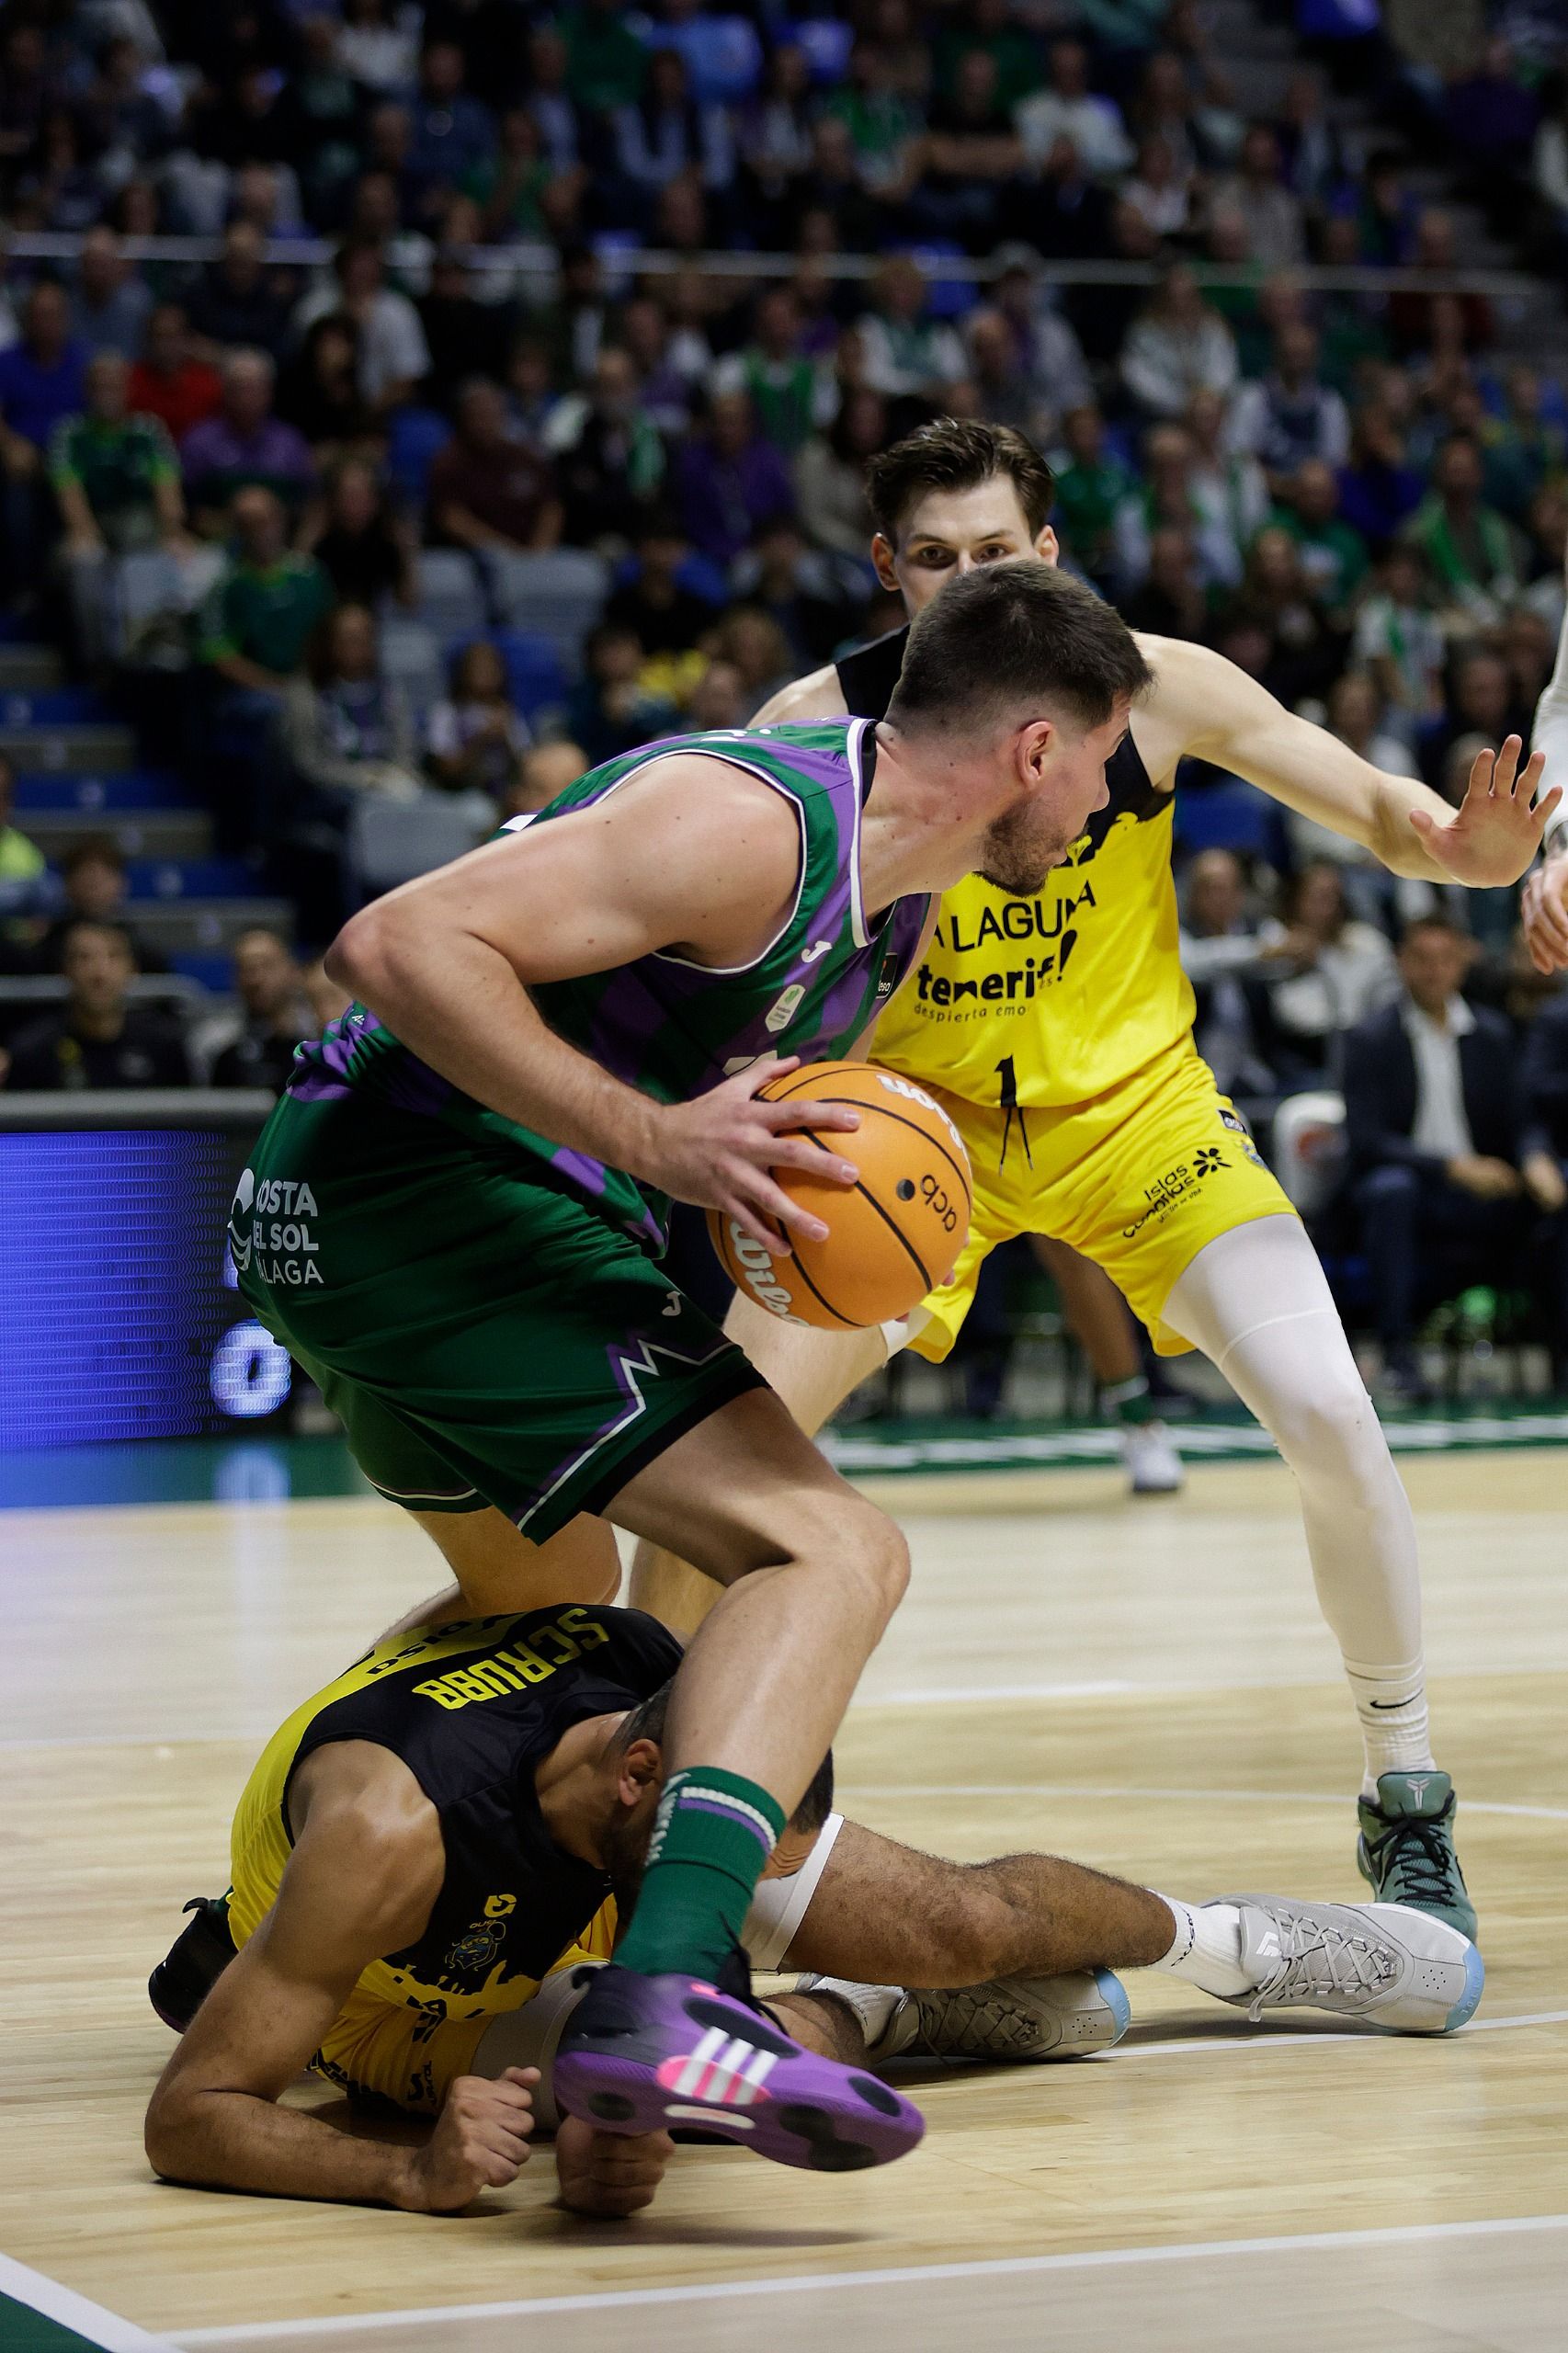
{"points": [[668, 1027]]}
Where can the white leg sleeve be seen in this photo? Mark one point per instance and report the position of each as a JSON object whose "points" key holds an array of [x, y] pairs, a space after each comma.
{"points": [[781, 1905], [532, 2036], [1257, 1304]]}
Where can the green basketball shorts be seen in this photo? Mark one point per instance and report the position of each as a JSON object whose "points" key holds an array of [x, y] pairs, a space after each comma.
{"points": [[484, 1337]]}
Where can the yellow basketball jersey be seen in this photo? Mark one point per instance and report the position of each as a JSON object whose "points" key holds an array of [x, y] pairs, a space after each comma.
{"points": [[469, 1709], [1048, 1001]]}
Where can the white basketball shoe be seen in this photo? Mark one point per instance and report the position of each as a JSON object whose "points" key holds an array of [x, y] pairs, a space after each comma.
{"points": [[1385, 1962], [1154, 1466], [1007, 2018]]}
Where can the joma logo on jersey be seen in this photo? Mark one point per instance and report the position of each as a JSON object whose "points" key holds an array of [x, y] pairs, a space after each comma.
{"points": [[1014, 919], [1018, 982]]}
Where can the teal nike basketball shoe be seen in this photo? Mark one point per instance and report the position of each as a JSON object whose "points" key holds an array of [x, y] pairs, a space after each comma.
{"points": [[1406, 1852]]}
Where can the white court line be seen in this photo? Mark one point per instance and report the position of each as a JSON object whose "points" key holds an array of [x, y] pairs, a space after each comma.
{"points": [[62, 2304], [906, 2275], [940, 1696], [952, 1695], [183, 1739], [1182, 1797], [1267, 2039], [956, 1695]]}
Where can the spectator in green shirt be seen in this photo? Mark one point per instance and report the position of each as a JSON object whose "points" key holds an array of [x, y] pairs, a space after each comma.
{"points": [[604, 60], [988, 25], [882, 124], [117, 480], [258, 625], [1090, 491], [1334, 555], [1520, 450], [265, 611], [792, 396], [116, 475], [1469, 548]]}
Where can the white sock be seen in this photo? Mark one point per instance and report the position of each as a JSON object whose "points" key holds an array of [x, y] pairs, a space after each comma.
{"points": [[1391, 1704], [873, 2004], [1207, 1947]]}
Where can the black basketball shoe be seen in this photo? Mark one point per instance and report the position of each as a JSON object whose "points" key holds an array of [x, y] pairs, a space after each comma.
{"points": [[196, 1961]]}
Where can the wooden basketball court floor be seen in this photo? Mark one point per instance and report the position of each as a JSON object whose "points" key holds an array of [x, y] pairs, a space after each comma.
{"points": [[1146, 1686]]}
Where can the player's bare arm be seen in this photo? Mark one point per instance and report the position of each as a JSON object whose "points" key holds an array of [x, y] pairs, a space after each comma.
{"points": [[367, 1866], [816, 696], [1544, 909], [1204, 707], [448, 961]]}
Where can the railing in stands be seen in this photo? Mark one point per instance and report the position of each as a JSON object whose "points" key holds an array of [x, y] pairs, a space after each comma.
{"points": [[540, 262]]}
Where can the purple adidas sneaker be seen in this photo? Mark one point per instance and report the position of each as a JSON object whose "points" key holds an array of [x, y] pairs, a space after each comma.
{"points": [[648, 2054]]}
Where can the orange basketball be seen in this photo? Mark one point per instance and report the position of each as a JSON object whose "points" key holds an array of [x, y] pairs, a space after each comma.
{"points": [[891, 1238]]}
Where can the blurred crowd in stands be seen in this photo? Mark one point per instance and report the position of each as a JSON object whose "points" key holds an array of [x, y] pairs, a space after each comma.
{"points": [[416, 491]]}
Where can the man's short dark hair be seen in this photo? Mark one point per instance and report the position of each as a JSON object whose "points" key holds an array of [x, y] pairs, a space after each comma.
{"points": [[957, 453], [1435, 921], [647, 1720], [1016, 637], [106, 930], [97, 850]]}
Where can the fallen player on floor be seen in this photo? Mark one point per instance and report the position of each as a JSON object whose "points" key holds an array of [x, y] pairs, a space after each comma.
{"points": [[433, 1855]]}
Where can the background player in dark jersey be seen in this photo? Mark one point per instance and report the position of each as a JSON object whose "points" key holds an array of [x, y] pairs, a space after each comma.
{"points": [[452, 1215], [431, 1850]]}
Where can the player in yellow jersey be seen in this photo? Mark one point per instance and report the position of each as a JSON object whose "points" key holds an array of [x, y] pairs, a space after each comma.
{"points": [[431, 1862], [1055, 1027]]}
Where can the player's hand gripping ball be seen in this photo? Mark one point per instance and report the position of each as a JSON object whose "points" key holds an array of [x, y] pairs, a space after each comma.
{"points": [[891, 1238]]}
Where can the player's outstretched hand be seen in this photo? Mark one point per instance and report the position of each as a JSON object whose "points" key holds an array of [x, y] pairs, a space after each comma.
{"points": [[720, 1151], [1545, 912], [610, 2174], [481, 2142], [1497, 829]]}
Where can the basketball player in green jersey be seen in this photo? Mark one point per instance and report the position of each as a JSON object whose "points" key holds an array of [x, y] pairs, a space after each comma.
{"points": [[453, 1215]]}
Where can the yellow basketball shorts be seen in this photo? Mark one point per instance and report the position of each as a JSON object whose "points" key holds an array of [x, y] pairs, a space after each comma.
{"points": [[1139, 1180], [411, 2054]]}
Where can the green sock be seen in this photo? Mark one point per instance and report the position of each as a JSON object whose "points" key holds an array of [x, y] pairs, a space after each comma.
{"points": [[1128, 1401], [712, 1835]]}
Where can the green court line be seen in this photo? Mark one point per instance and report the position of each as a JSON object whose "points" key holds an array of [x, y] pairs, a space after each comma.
{"points": [[284, 1470], [904, 1447], [23, 2330], [37, 2315]]}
